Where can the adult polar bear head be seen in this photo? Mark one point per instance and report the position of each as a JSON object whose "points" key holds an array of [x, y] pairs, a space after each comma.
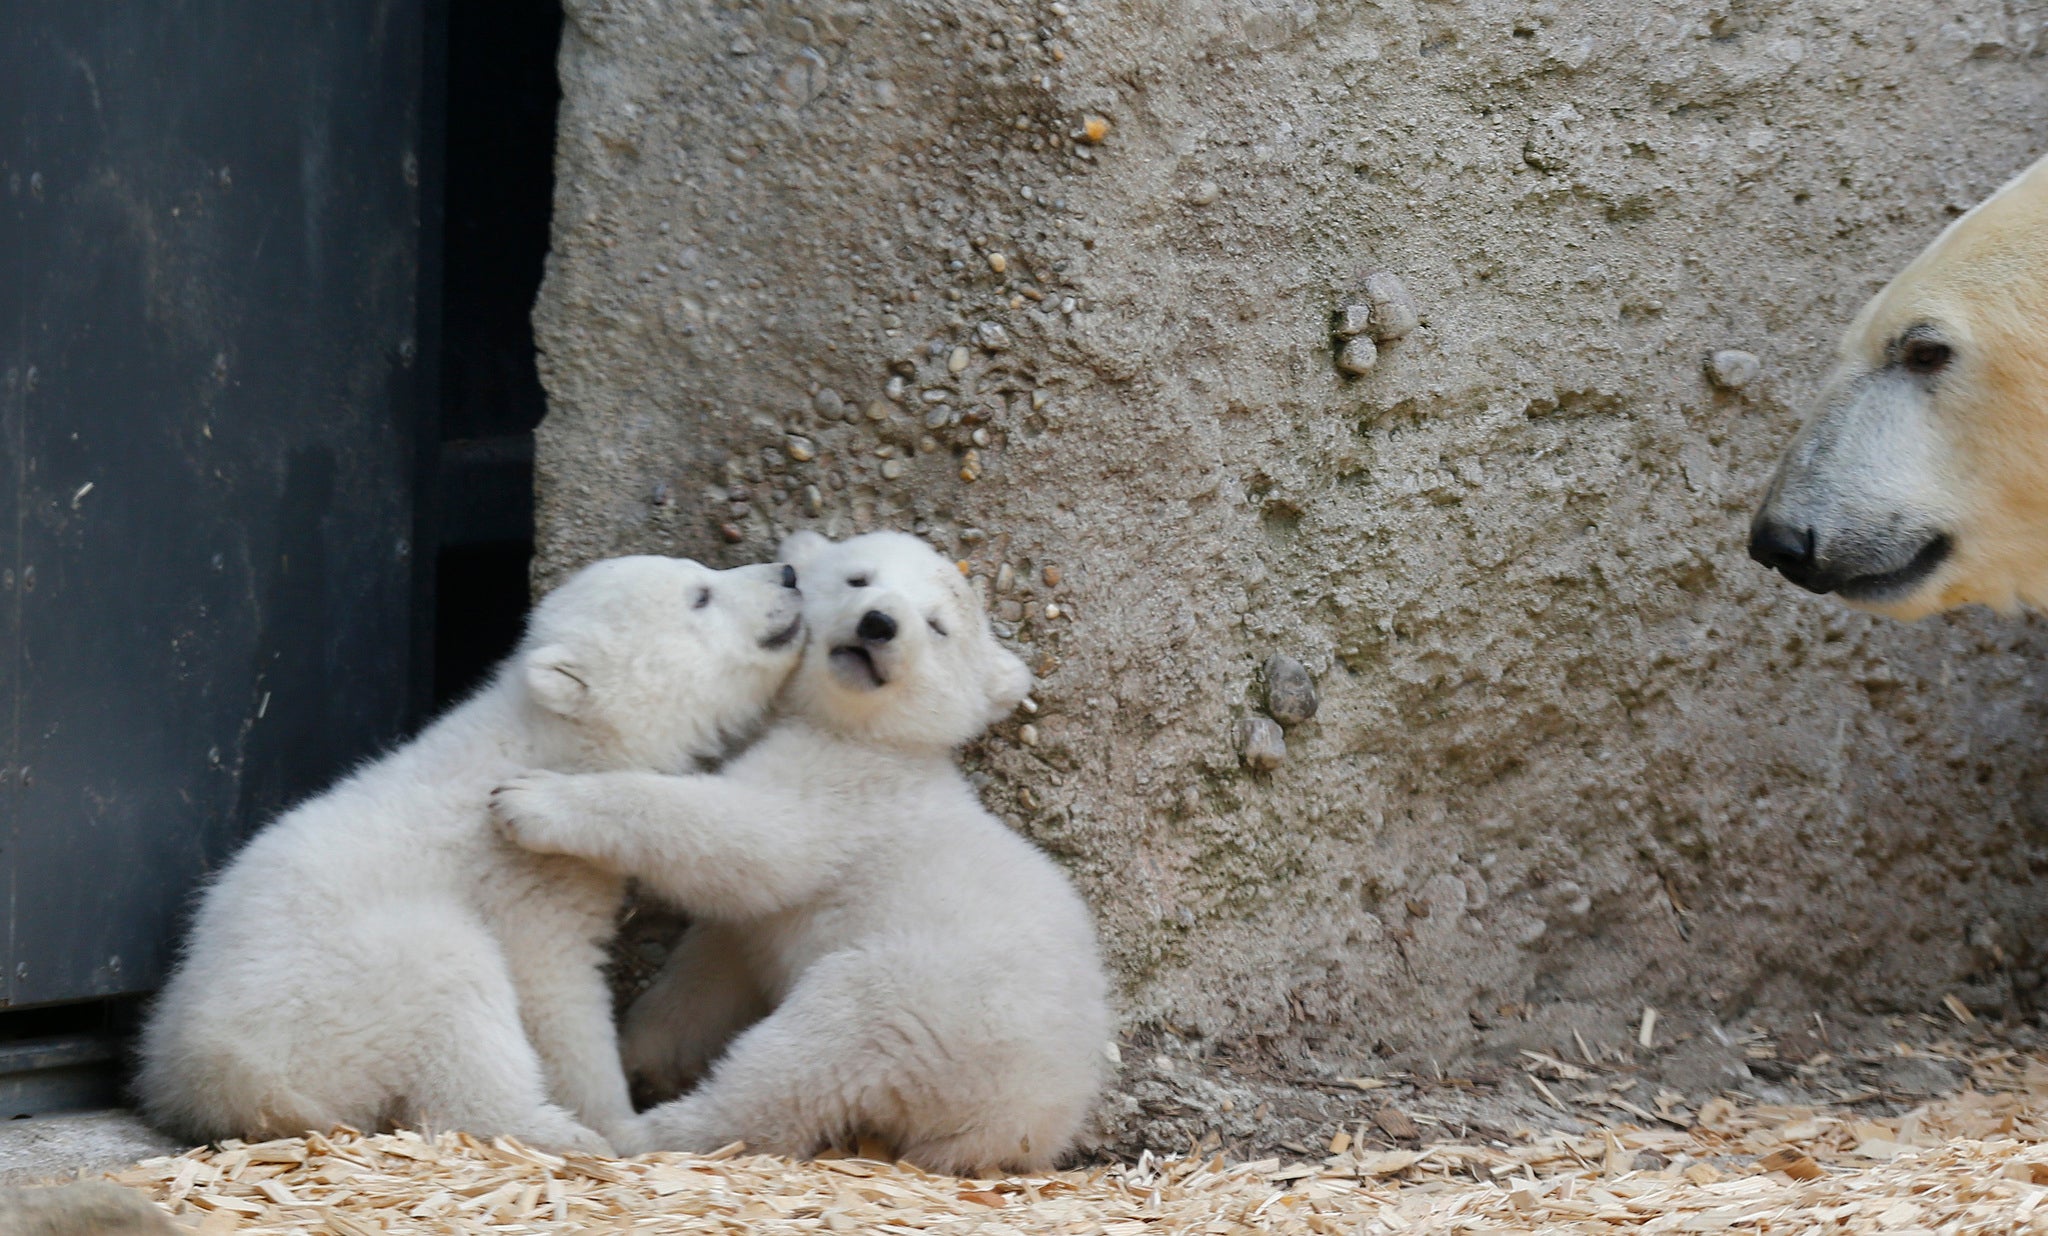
{"points": [[1921, 481], [900, 652], [651, 661]]}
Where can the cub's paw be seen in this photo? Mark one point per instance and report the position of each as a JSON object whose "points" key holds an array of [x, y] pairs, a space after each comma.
{"points": [[534, 811], [633, 1137], [556, 1131]]}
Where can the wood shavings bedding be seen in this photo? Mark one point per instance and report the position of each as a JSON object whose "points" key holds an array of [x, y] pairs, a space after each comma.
{"points": [[1975, 1162]]}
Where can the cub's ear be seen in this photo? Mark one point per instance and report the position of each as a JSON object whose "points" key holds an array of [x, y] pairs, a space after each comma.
{"points": [[799, 548], [1006, 682], [557, 680]]}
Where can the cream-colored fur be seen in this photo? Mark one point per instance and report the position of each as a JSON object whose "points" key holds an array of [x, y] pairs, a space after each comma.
{"points": [[1921, 482], [933, 979], [380, 955]]}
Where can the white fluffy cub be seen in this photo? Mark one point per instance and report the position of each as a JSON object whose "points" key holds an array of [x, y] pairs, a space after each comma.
{"points": [[380, 956], [927, 976]]}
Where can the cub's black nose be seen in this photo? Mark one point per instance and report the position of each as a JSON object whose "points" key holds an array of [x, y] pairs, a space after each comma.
{"points": [[1790, 552], [788, 576], [876, 627], [1781, 547]]}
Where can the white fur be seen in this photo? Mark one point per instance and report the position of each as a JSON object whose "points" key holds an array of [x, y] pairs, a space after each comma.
{"points": [[380, 956], [934, 980]]}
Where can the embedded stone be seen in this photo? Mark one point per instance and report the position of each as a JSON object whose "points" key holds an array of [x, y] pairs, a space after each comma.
{"points": [[1393, 310], [1358, 356], [1260, 744], [1290, 692], [1731, 369]]}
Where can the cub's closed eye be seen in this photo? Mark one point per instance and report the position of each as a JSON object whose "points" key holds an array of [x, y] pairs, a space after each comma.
{"points": [[856, 581], [1926, 355], [937, 629], [702, 599]]}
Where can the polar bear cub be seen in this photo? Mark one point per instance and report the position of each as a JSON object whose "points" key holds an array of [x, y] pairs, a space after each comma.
{"points": [[933, 979], [380, 956]]}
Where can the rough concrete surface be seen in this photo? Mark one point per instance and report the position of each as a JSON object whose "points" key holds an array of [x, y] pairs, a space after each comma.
{"points": [[844, 266], [48, 1148]]}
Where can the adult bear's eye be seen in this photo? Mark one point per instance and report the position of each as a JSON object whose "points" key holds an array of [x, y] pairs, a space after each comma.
{"points": [[703, 598], [933, 623]]}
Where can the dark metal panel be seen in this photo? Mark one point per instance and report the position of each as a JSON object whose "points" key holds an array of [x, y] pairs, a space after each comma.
{"points": [[73, 1073], [212, 231]]}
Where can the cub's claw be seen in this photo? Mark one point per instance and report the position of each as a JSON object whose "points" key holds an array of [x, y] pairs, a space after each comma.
{"points": [[520, 808]]}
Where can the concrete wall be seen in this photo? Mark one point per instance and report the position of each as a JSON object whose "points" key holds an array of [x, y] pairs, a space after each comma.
{"points": [[1574, 753]]}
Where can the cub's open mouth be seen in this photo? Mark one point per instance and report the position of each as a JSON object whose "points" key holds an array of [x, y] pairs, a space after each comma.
{"points": [[1881, 586], [856, 667], [782, 638]]}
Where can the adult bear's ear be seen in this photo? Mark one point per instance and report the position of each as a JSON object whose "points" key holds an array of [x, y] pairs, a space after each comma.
{"points": [[556, 680], [799, 548], [1007, 682]]}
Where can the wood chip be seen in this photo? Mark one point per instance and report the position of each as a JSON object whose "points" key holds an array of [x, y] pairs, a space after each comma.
{"points": [[1396, 1124], [1544, 1090], [1558, 1068], [1794, 1163], [1386, 1163]]}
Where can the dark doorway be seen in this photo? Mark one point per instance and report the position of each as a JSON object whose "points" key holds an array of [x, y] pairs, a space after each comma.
{"points": [[497, 200]]}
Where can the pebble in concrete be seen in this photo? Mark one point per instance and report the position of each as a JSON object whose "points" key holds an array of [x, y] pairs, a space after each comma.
{"points": [[1358, 356], [1353, 321], [1290, 692], [1394, 312], [1732, 369], [1261, 744]]}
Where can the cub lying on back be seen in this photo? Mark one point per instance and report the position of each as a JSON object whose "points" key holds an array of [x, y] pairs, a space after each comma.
{"points": [[379, 956], [933, 978]]}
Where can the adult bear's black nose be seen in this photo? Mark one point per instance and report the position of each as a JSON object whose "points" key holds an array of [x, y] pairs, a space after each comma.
{"points": [[788, 576], [876, 627]]}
